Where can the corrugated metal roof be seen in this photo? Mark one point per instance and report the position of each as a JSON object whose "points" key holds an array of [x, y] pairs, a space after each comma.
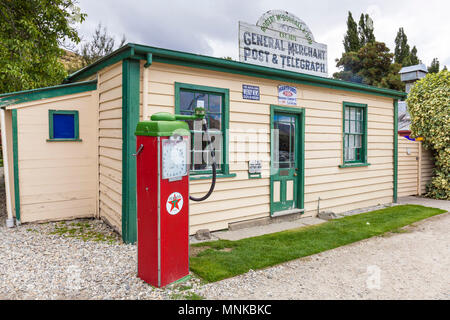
{"points": [[417, 67]]}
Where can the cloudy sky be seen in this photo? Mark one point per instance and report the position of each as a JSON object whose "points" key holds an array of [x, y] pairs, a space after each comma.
{"points": [[210, 27]]}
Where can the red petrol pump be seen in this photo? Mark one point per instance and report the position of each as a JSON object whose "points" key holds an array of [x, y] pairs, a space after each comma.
{"points": [[163, 158]]}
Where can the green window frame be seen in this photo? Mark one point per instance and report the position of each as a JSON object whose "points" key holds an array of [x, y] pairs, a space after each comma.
{"points": [[75, 114], [221, 155], [354, 135]]}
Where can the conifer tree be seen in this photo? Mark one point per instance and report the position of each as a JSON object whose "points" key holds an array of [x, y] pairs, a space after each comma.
{"points": [[365, 30], [351, 40], [434, 67], [413, 56], [401, 51]]}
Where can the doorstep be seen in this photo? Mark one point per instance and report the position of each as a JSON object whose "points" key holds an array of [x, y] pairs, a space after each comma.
{"points": [[261, 230]]}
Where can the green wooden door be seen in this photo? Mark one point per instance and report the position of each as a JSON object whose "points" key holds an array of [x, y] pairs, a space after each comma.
{"points": [[286, 169]]}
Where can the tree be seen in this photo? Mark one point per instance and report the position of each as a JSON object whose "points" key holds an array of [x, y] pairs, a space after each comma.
{"points": [[413, 56], [31, 33], [100, 45], [351, 40], [429, 107], [402, 53], [434, 68], [371, 65], [365, 30]]}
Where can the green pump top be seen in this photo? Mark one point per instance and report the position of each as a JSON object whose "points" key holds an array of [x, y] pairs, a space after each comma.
{"points": [[164, 124]]}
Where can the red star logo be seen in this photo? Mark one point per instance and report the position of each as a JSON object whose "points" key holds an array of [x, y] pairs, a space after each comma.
{"points": [[174, 204]]}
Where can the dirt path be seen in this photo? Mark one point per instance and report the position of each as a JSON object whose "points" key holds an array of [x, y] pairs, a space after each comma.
{"points": [[413, 264]]}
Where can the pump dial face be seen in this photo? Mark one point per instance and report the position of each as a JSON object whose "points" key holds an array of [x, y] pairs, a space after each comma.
{"points": [[174, 159]]}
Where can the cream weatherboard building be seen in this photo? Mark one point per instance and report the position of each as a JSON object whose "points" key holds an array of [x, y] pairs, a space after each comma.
{"points": [[70, 147]]}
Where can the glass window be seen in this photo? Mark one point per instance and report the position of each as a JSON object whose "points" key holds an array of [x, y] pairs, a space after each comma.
{"points": [[213, 102], [63, 125], [355, 149]]}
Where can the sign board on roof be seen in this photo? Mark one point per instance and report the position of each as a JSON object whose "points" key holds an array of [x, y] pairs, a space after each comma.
{"points": [[281, 40]]}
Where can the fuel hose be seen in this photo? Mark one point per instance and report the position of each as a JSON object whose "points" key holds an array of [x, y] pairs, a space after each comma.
{"points": [[213, 165]]}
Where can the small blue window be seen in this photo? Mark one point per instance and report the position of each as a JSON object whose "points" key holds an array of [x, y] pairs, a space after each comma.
{"points": [[63, 125]]}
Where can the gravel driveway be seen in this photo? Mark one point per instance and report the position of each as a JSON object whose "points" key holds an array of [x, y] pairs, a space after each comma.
{"points": [[413, 264], [35, 264]]}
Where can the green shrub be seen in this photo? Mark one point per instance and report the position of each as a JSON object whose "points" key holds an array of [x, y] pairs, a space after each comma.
{"points": [[429, 107]]}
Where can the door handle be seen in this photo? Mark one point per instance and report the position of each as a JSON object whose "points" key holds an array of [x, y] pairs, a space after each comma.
{"points": [[295, 174]]}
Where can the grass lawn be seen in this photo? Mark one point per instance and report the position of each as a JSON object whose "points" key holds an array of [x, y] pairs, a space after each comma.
{"points": [[223, 259]]}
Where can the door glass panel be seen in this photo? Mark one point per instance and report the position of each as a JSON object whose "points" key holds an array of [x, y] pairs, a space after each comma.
{"points": [[284, 141], [284, 144]]}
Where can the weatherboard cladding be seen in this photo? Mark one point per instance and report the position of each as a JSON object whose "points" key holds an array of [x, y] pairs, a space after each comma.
{"points": [[237, 197], [240, 198]]}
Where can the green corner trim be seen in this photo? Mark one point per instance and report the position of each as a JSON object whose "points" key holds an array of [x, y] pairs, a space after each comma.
{"points": [[395, 149], [224, 168], [16, 164], [76, 125], [46, 93], [130, 119], [300, 152]]}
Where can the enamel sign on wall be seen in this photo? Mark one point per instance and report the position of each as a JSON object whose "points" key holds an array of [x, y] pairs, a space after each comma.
{"points": [[287, 95], [283, 41]]}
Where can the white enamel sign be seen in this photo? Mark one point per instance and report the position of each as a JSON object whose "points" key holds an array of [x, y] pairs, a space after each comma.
{"points": [[174, 203], [281, 40], [287, 95]]}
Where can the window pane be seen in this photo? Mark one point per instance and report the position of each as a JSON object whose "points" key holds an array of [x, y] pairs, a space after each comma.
{"points": [[216, 140], [187, 101], [214, 121], [197, 161], [351, 154], [282, 118], [351, 141], [352, 113], [201, 100], [347, 126], [63, 126], [358, 140], [358, 127], [215, 103], [283, 142], [352, 127], [358, 154]]}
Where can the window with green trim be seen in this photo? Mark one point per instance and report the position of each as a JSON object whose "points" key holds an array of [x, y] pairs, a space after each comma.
{"points": [[215, 101], [355, 133], [63, 125]]}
